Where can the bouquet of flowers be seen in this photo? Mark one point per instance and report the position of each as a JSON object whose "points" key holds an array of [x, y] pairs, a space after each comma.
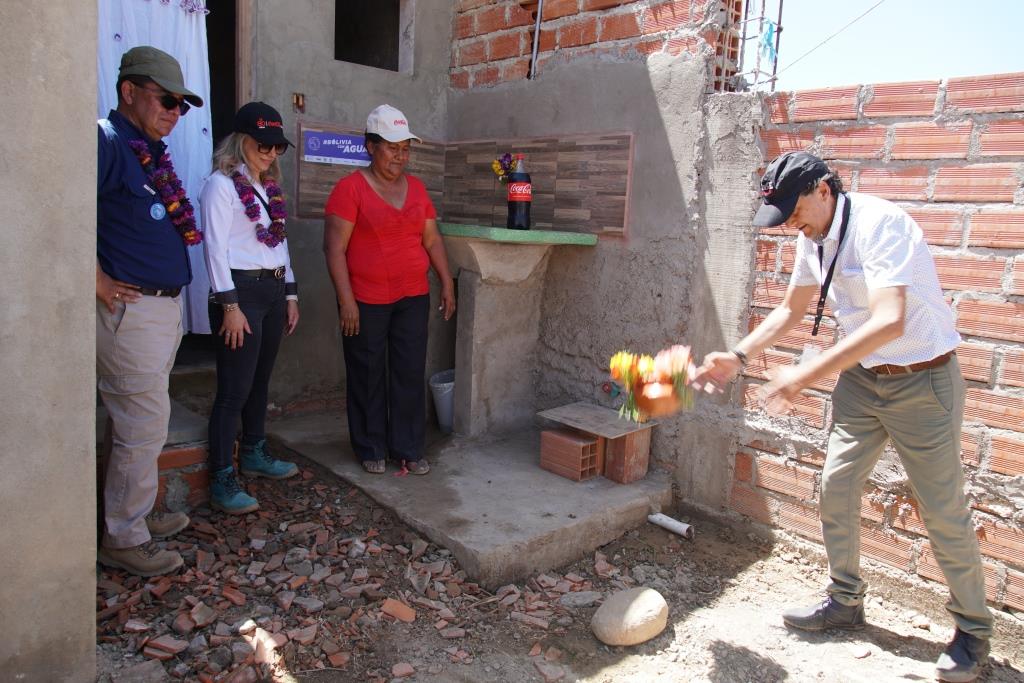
{"points": [[656, 386], [502, 166]]}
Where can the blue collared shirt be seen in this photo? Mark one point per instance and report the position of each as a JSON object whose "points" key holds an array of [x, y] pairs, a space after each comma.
{"points": [[135, 239]]}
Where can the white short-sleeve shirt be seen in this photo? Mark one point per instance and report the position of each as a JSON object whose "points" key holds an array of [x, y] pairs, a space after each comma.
{"points": [[884, 247]]}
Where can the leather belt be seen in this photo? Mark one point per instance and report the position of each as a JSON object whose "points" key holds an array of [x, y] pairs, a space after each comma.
{"points": [[159, 292], [938, 361], [260, 273]]}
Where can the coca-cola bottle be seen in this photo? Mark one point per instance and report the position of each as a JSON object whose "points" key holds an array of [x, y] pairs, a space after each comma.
{"points": [[520, 194]]}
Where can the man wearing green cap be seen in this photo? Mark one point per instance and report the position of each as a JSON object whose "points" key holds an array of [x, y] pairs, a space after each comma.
{"points": [[144, 223]]}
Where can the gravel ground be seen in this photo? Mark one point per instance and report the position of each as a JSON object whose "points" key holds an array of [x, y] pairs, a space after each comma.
{"points": [[320, 584]]}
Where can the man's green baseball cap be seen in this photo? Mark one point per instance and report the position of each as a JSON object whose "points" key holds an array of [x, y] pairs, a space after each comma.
{"points": [[160, 67]]}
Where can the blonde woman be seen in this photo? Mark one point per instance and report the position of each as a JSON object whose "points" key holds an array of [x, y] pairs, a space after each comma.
{"points": [[254, 299]]}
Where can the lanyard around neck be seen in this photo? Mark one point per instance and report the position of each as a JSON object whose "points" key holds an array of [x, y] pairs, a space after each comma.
{"points": [[820, 311]]}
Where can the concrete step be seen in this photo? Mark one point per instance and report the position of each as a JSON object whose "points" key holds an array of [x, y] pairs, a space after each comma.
{"points": [[185, 426], [488, 500]]}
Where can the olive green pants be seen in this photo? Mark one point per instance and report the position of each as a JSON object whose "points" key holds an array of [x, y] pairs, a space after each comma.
{"points": [[921, 413]]}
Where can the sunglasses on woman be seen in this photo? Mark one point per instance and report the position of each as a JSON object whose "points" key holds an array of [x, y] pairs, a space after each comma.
{"points": [[280, 148], [167, 100]]}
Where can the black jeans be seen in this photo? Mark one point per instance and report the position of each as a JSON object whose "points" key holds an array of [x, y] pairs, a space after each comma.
{"points": [[243, 374], [384, 366]]}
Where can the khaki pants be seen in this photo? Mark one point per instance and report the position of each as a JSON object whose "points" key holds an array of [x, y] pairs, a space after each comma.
{"points": [[921, 413], [135, 349]]}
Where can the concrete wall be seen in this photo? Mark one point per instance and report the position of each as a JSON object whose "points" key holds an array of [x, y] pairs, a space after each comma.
{"points": [[293, 51], [47, 491]]}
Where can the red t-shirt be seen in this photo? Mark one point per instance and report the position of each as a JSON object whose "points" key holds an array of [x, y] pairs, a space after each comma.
{"points": [[385, 256]]}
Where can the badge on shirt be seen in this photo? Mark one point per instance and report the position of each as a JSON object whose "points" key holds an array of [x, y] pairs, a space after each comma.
{"points": [[157, 211]]}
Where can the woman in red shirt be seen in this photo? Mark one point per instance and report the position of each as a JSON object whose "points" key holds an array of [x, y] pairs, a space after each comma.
{"points": [[380, 236]]}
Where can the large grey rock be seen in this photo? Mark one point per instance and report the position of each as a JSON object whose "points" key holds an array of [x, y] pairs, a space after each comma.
{"points": [[630, 617], [579, 599]]}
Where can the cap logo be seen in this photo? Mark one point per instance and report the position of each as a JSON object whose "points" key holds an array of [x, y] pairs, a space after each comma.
{"points": [[399, 122], [263, 123]]}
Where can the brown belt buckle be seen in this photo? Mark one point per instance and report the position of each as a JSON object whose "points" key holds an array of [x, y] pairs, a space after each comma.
{"points": [[279, 273]]}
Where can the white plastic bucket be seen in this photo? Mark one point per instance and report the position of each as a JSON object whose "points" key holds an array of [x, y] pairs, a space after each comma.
{"points": [[442, 386]]}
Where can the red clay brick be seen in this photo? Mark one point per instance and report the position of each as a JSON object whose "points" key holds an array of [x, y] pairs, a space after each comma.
{"points": [[1014, 596], [826, 104], [472, 52], [1012, 371], [928, 567], [808, 454], [688, 44], [768, 293], [582, 31], [778, 107], [801, 519], [975, 361], [1007, 456], [752, 503], [619, 26], [940, 226], [1017, 277], [176, 457], [887, 548], [957, 271], [465, 5], [872, 509], [491, 19], [515, 70], [969, 449], [854, 143], [670, 16], [553, 9], [994, 319], [764, 255], [518, 16], [928, 141], [744, 466], [768, 360], [1002, 541], [489, 75], [1003, 138], [994, 410], [997, 92], [765, 444], [800, 334], [997, 229], [915, 98], [778, 142], [907, 516], [548, 40], [465, 26], [909, 183], [976, 183], [459, 79], [505, 45], [788, 252], [591, 5]]}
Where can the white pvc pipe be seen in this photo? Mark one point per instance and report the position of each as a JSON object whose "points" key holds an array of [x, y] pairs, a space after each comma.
{"points": [[673, 525]]}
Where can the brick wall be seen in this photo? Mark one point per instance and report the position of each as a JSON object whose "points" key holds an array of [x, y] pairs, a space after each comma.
{"points": [[493, 39], [951, 153]]}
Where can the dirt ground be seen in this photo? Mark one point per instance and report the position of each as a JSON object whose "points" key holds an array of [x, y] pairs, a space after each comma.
{"points": [[309, 590]]}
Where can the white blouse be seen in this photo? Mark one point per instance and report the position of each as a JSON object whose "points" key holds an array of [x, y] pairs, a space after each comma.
{"points": [[229, 236]]}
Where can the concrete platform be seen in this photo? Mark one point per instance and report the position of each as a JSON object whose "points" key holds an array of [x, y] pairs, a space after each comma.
{"points": [[185, 426], [487, 500]]}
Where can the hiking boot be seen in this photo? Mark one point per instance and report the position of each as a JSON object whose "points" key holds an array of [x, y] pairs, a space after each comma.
{"points": [[164, 524], [227, 496], [256, 462], [826, 614], [963, 658], [142, 560]]}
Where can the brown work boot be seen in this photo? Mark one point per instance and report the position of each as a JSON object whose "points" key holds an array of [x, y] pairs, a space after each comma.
{"points": [[164, 524], [142, 560]]}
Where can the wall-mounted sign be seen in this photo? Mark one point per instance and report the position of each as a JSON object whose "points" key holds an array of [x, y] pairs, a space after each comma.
{"points": [[329, 147]]}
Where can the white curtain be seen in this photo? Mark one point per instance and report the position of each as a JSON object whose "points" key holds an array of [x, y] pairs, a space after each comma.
{"points": [[178, 28]]}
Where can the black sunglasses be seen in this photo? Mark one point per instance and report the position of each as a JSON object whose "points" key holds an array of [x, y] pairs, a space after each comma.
{"points": [[280, 148], [167, 100]]}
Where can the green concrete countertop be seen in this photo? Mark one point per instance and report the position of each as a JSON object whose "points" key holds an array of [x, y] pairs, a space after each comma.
{"points": [[505, 235]]}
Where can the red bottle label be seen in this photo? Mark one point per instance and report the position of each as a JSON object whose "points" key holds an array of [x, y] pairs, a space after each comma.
{"points": [[520, 192]]}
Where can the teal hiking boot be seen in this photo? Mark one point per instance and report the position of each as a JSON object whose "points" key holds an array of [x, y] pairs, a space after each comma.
{"points": [[227, 496], [256, 462]]}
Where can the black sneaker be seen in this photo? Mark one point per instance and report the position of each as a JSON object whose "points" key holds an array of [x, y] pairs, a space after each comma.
{"points": [[963, 658], [826, 614]]}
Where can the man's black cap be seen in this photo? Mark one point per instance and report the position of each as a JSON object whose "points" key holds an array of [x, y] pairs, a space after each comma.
{"points": [[262, 122], [781, 185]]}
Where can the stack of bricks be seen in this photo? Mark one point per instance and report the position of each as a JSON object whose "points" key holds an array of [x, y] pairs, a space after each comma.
{"points": [[493, 39], [952, 154]]}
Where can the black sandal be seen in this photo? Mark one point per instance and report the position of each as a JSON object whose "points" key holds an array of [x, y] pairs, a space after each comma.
{"points": [[375, 466]]}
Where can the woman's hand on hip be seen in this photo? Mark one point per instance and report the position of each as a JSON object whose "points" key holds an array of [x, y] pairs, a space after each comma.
{"points": [[293, 317], [349, 318], [234, 328]]}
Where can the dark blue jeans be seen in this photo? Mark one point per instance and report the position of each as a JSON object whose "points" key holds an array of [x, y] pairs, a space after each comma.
{"points": [[384, 366], [243, 375]]}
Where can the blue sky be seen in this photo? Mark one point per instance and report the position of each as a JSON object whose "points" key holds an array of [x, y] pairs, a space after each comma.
{"points": [[900, 40]]}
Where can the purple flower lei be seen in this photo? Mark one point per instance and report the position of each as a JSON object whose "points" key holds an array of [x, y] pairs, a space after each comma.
{"points": [[273, 234], [172, 194]]}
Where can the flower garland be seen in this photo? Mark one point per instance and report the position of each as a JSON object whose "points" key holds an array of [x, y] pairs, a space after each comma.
{"points": [[172, 194], [273, 234]]}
